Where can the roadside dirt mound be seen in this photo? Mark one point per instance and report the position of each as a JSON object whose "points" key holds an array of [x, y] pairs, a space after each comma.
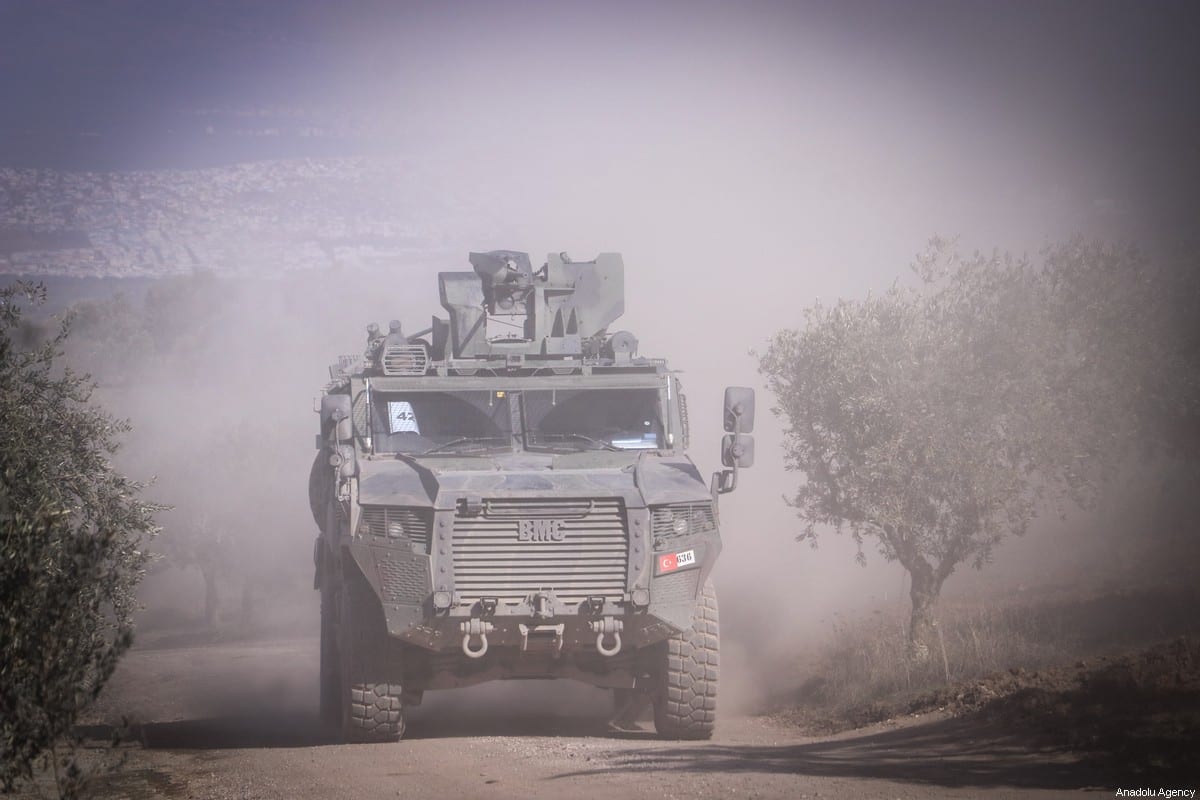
{"points": [[1138, 713], [1134, 715]]}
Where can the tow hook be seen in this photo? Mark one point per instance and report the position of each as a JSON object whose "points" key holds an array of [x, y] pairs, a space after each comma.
{"points": [[475, 627], [604, 628], [543, 605]]}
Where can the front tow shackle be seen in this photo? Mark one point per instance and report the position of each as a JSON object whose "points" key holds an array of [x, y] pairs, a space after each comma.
{"points": [[604, 628], [608, 652], [470, 653], [475, 628]]}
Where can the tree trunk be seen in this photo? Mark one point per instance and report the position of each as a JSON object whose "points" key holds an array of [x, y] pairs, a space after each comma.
{"points": [[924, 595]]}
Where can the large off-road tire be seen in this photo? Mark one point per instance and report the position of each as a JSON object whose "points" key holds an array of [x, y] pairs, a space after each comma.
{"points": [[331, 679], [685, 703], [370, 666]]}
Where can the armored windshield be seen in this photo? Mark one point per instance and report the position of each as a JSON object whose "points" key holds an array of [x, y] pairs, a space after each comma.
{"points": [[614, 419], [440, 422]]}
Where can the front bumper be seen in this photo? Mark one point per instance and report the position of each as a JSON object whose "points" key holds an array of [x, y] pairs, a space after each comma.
{"points": [[424, 606]]}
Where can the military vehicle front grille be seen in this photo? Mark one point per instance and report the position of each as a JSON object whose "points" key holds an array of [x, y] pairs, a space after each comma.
{"points": [[695, 517], [508, 550], [405, 359], [397, 523]]}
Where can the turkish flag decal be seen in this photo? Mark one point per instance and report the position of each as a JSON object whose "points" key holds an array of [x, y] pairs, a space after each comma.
{"points": [[670, 562]]}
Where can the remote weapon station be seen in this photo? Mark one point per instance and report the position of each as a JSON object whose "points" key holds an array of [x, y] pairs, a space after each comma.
{"points": [[507, 494]]}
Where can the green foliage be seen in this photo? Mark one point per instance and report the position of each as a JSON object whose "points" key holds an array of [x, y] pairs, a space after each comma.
{"points": [[109, 336], [174, 354], [190, 339], [936, 420], [122, 343], [71, 533]]}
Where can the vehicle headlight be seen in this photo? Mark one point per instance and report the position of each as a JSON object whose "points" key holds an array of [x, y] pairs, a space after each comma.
{"points": [[682, 519], [397, 522]]}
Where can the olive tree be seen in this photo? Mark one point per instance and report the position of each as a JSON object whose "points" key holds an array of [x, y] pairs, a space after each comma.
{"points": [[149, 351], [936, 419], [71, 534]]}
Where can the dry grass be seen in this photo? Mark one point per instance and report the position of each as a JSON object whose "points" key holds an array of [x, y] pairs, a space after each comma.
{"points": [[864, 673]]}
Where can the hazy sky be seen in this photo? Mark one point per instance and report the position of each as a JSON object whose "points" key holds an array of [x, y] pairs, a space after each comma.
{"points": [[1097, 100], [1086, 83], [586, 125]]}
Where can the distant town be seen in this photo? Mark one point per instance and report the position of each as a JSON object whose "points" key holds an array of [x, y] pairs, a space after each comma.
{"points": [[259, 219]]}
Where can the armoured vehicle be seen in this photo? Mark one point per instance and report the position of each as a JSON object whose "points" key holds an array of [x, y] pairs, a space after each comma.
{"points": [[506, 494]]}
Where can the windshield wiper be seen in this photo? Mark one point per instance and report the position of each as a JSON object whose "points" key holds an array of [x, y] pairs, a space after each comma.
{"points": [[581, 437], [463, 440]]}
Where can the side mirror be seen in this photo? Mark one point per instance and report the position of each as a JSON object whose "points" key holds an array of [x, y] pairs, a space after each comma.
{"points": [[723, 482], [737, 450], [739, 409]]}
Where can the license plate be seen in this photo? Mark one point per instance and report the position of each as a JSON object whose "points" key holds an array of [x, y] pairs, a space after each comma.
{"points": [[672, 562]]}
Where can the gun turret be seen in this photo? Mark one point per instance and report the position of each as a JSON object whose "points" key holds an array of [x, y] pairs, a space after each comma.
{"points": [[507, 280], [550, 312]]}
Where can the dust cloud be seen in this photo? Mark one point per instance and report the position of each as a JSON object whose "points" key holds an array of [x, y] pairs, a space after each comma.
{"points": [[745, 159]]}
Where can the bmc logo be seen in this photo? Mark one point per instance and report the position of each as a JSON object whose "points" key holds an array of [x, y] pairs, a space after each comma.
{"points": [[540, 530]]}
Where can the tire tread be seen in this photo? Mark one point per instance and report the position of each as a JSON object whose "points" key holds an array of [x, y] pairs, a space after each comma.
{"points": [[375, 712], [686, 706]]}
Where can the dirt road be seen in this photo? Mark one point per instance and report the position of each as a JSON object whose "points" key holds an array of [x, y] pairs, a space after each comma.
{"points": [[239, 721]]}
